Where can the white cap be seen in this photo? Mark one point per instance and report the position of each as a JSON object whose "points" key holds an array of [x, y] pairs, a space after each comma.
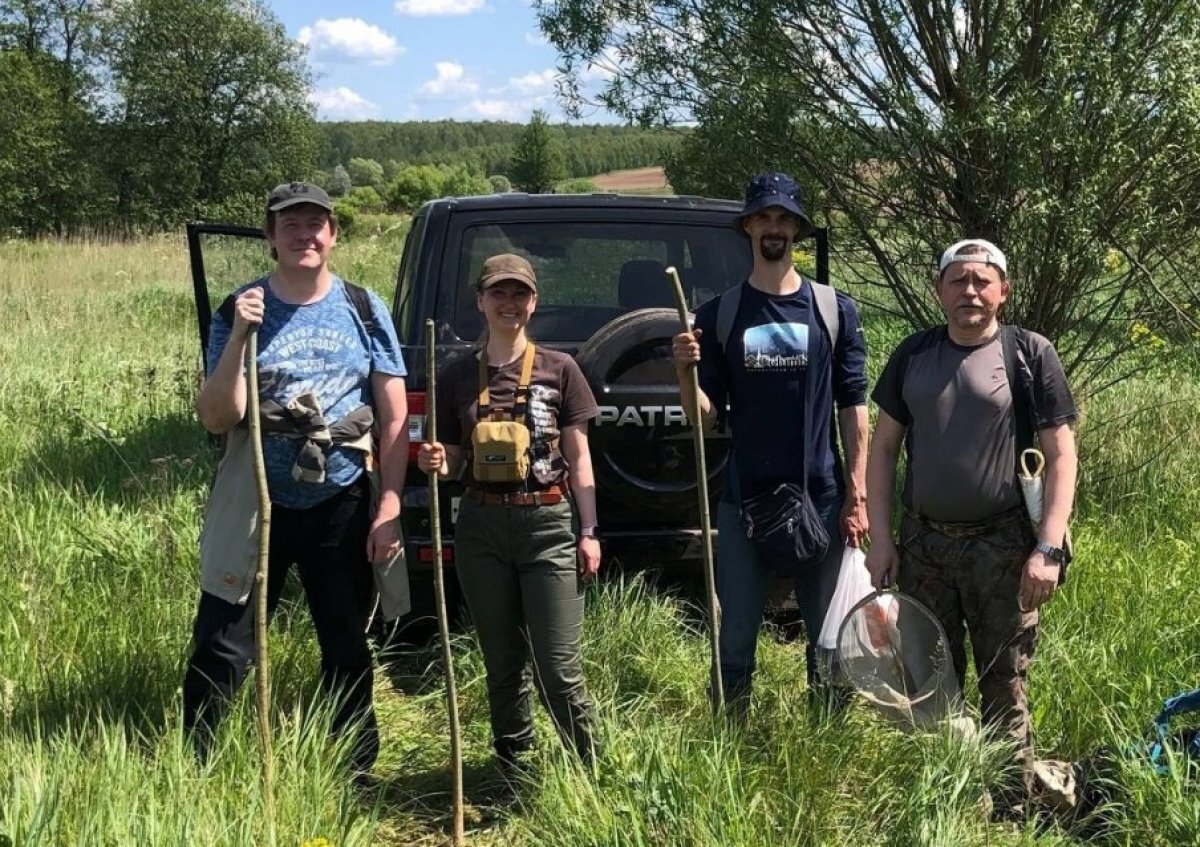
{"points": [[985, 251]]}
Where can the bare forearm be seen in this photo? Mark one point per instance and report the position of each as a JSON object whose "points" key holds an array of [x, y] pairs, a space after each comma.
{"points": [[689, 393], [852, 425], [393, 465], [1059, 499], [583, 488], [221, 404], [880, 482]]}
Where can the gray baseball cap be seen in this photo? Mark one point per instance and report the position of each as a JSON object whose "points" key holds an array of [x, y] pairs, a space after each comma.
{"points": [[294, 193]]}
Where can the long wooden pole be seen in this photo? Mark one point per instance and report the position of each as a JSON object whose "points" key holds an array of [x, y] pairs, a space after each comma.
{"points": [[706, 543], [262, 666], [439, 583]]}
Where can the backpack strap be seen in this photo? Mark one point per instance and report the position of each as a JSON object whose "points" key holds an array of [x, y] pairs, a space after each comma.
{"points": [[357, 295], [824, 299], [1020, 386], [727, 309]]}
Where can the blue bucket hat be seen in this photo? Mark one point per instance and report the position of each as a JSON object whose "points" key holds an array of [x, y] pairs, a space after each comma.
{"points": [[774, 189]]}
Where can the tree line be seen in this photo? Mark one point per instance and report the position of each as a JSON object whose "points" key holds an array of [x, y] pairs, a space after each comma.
{"points": [[489, 147]]}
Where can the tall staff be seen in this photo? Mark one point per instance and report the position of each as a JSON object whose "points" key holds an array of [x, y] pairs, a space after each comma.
{"points": [[262, 674], [710, 583], [439, 582]]}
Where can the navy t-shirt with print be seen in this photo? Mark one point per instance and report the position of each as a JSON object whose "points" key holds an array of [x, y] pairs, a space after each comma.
{"points": [[323, 348], [776, 342]]}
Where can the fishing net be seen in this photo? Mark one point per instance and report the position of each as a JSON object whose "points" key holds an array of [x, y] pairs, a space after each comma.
{"points": [[894, 653]]}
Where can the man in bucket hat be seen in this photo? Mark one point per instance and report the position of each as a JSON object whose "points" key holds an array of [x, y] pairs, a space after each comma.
{"points": [[962, 397], [776, 354]]}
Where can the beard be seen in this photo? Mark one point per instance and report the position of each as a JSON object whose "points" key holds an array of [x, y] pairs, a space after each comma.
{"points": [[773, 248]]}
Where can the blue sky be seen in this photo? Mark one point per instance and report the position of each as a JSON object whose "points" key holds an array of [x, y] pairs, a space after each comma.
{"points": [[427, 59]]}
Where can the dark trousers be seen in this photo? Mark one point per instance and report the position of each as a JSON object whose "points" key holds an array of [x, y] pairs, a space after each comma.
{"points": [[328, 545], [972, 584], [517, 569]]}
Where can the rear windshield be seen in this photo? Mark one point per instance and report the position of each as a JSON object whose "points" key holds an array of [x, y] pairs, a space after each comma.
{"points": [[590, 273]]}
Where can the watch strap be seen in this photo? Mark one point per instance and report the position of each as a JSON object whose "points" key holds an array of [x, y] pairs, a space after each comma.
{"points": [[1055, 553]]}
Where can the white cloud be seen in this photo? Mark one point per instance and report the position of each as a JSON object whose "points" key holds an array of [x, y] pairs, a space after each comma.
{"points": [[349, 40], [498, 110], [533, 84], [451, 81], [342, 102], [501, 109], [536, 39], [428, 8]]}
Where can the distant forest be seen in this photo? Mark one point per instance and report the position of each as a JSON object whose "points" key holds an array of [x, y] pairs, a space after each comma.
{"points": [[486, 147]]}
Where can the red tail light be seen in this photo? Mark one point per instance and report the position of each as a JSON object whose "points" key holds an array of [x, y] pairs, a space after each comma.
{"points": [[425, 554], [416, 423]]}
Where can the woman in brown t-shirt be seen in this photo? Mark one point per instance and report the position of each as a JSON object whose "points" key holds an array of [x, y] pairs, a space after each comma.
{"points": [[520, 559]]}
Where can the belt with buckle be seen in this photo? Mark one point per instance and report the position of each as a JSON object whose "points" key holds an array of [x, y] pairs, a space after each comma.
{"points": [[547, 497], [969, 529]]}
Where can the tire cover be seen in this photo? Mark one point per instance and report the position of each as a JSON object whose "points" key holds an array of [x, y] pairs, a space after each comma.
{"points": [[642, 445]]}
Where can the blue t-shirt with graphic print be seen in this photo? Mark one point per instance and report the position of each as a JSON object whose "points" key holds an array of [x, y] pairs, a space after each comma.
{"points": [[323, 348], [776, 344]]}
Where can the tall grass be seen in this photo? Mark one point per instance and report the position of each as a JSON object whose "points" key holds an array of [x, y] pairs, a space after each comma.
{"points": [[103, 471]]}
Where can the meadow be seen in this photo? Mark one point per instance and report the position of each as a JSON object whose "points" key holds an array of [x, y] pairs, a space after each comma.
{"points": [[103, 474]]}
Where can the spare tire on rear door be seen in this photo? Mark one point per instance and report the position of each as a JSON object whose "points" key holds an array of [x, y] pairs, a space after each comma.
{"points": [[641, 444]]}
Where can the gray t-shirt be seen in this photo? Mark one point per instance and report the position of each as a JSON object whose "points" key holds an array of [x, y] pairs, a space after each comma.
{"points": [[958, 409]]}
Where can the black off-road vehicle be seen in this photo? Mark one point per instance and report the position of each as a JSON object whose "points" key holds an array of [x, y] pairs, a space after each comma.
{"points": [[603, 295]]}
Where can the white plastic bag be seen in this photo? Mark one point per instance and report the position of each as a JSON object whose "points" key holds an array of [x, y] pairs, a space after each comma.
{"points": [[854, 583]]}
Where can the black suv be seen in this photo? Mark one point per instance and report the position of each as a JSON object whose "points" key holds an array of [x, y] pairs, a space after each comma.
{"points": [[604, 296]]}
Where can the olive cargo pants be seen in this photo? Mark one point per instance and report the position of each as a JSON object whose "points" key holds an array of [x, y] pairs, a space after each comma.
{"points": [[517, 569]]}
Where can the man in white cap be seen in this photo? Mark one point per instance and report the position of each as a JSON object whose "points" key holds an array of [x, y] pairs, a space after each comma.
{"points": [[964, 399]]}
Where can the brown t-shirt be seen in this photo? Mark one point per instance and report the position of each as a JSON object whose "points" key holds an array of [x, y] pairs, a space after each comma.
{"points": [[559, 397], [957, 406]]}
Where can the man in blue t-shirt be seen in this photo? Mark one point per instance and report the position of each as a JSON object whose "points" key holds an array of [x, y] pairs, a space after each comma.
{"points": [[330, 371], [779, 366]]}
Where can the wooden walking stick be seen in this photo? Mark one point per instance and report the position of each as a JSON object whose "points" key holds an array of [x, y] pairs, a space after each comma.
{"points": [[706, 545], [262, 668], [439, 583]]}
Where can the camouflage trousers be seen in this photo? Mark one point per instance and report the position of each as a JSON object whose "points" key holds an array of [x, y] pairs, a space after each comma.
{"points": [[970, 577]]}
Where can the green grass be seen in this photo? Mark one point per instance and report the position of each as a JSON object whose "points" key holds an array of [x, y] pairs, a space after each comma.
{"points": [[103, 472]]}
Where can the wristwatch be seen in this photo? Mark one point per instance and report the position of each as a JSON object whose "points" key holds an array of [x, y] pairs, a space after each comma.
{"points": [[588, 531], [1055, 553]]}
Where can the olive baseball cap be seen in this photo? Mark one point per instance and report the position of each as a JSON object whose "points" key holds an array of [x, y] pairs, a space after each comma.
{"points": [[294, 193], [507, 266]]}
